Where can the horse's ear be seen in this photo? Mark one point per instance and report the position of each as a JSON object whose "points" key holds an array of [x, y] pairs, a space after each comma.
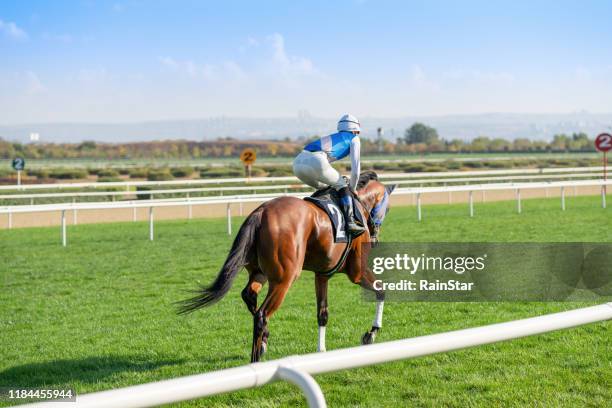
{"points": [[390, 188]]}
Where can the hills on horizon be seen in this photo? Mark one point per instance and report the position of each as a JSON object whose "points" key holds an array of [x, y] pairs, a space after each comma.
{"points": [[465, 127]]}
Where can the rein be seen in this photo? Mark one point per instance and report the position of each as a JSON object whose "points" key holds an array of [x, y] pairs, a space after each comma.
{"points": [[370, 221]]}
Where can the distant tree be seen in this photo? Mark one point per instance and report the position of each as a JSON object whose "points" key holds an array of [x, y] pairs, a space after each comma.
{"points": [[560, 142], [480, 144], [580, 141], [500, 145], [420, 133], [522, 144], [87, 145], [455, 145], [540, 145]]}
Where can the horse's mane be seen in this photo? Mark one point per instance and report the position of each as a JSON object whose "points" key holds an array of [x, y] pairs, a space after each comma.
{"points": [[365, 177]]}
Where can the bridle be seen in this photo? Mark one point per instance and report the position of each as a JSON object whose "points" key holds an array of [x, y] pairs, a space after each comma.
{"points": [[373, 229]]}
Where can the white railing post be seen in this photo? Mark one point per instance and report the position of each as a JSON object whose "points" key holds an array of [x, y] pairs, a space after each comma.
{"points": [[74, 212], [151, 224], [314, 395], [64, 240], [603, 196], [471, 204], [418, 199], [229, 219], [562, 198], [518, 200]]}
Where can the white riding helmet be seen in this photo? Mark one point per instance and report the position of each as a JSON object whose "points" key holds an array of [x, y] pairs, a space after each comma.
{"points": [[349, 123]]}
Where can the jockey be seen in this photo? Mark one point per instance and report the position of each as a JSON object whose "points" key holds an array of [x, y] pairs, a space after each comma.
{"points": [[313, 167]]}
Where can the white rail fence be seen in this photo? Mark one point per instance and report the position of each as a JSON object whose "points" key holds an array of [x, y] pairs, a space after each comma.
{"points": [[240, 200], [292, 179], [298, 369], [277, 187]]}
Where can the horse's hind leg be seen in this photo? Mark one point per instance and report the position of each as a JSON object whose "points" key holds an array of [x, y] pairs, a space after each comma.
{"points": [[274, 298], [321, 290], [256, 281]]}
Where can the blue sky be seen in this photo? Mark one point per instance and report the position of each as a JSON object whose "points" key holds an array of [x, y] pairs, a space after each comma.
{"points": [[147, 60]]}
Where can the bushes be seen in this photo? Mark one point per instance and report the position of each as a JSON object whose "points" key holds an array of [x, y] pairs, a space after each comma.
{"points": [[414, 168], [108, 179], [221, 172], [159, 175], [435, 169], [143, 196], [280, 172], [138, 173], [259, 172], [452, 165], [38, 173], [501, 164], [106, 173], [68, 174], [182, 171]]}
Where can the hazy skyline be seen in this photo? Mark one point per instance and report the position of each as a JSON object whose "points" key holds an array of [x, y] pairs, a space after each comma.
{"points": [[126, 61]]}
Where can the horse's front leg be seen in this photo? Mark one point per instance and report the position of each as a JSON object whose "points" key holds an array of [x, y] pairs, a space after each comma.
{"points": [[370, 336], [321, 289], [359, 273]]}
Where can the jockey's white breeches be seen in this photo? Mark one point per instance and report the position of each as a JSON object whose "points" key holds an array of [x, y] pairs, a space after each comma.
{"points": [[313, 168]]}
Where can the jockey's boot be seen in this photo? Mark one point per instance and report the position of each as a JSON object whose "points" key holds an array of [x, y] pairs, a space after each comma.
{"points": [[354, 227]]}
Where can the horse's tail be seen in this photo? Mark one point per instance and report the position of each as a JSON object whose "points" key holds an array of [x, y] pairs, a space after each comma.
{"points": [[237, 258]]}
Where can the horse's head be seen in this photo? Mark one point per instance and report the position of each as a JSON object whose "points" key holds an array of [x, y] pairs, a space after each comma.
{"points": [[375, 197]]}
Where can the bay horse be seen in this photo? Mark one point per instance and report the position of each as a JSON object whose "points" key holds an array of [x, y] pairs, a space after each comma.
{"points": [[286, 235]]}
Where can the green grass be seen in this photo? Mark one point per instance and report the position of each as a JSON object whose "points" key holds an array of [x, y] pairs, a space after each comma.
{"points": [[99, 314]]}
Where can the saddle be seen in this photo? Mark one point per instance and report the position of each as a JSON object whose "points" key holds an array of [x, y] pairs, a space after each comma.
{"points": [[328, 200]]}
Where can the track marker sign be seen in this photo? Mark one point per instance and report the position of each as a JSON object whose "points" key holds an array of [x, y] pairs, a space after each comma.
{"points": [[603, 143], [248, 157], [18, 164]]}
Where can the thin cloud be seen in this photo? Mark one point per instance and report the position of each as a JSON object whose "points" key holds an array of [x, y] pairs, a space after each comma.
{"points": [[11, 30], [418, 79], [33, 84], [288, 64], [189, 68]]}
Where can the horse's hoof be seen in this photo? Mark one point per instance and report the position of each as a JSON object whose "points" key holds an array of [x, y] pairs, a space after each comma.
{"points": [[264, 348], [368, 338]]}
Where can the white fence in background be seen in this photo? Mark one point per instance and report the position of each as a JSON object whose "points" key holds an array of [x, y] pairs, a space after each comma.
{"points": [[229, 200], [279, 187], [383, 176], [298, 369]]}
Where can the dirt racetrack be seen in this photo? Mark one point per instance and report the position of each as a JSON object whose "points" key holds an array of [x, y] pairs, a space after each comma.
{"points": [[52, 218]]}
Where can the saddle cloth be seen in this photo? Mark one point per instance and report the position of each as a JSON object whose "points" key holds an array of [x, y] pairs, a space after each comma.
{"points": [[328, 200]]}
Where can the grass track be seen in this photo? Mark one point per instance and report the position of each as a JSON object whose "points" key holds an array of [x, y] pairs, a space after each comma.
{"points": [[98, 315]]}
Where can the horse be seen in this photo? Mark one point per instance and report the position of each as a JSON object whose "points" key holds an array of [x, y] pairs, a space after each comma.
{"points": [[286, 235]]}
